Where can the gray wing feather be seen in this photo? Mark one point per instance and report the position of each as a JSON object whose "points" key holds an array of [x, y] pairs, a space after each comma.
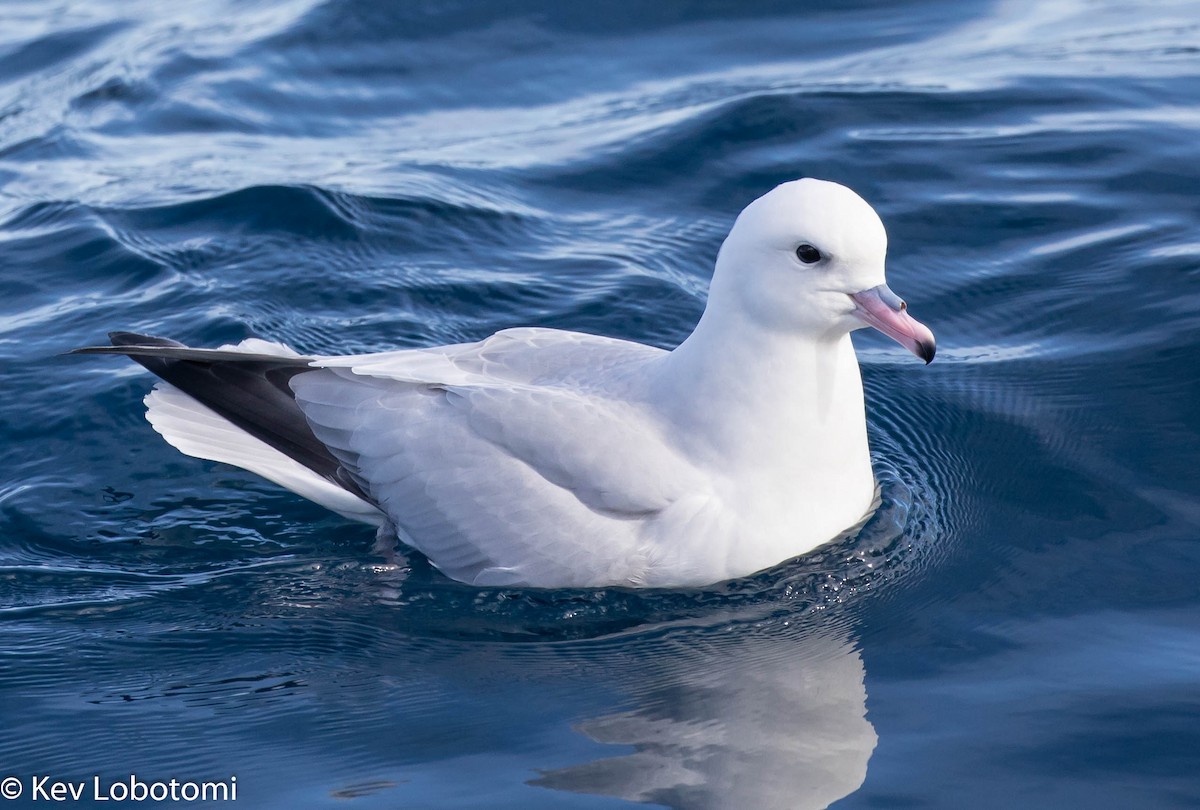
{"points": [[500, 484]]}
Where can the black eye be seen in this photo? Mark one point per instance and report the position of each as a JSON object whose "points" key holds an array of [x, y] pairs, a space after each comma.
{"points": [[808, 254]]}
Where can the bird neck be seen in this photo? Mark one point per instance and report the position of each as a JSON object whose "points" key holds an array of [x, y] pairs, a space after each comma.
{"points": [[750, 394]]}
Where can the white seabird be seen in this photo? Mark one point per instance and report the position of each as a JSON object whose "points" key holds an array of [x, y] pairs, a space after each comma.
{"points": [[550, 458]]}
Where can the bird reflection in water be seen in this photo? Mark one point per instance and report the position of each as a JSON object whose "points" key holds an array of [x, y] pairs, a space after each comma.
{"points": [[764, 720]]}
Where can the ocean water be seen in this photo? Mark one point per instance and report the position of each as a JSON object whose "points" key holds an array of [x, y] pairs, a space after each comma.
{"points": [[1018, 625]]}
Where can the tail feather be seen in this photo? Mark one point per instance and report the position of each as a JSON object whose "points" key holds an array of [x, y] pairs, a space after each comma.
{"points": [[198, 431]]}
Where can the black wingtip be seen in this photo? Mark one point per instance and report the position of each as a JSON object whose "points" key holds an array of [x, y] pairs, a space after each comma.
{"points": [[249, 389]]}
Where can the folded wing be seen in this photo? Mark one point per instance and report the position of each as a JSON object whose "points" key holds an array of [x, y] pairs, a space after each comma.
{"points": [[495, 464]]}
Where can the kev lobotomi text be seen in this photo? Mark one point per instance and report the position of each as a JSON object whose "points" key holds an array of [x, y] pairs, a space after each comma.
{"points": [[45, 788]]}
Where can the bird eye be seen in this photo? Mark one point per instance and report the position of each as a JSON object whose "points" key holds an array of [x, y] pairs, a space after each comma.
{"points": [[808, 254]]}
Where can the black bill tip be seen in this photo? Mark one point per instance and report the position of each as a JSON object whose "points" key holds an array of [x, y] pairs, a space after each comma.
{"points": [[926, 349]]}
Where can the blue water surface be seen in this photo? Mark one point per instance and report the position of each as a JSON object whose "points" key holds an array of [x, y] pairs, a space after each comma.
{"points": [[1018, 625]]}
